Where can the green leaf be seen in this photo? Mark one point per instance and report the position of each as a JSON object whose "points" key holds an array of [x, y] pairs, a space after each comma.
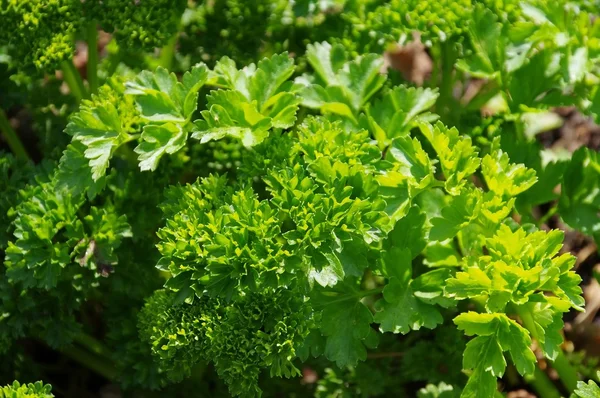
{"points": [[496, 332], [345, 322], [270, 74], [395, 190], [442, 254], [396, 262], [191, 82], [30, 390], [579, 204], [264, 86], [397, 311], [400, 311], [396, 113], [520, 268], [326, 60], [260, 98], [458, 157], [441, 390], [362, 78], [282, 109], [168, 106], [409, 232], [347, 326], [158, 140], [429, 287], [459, 212], [589, 390], [530, 81], [515, 339], [594, 108], [229, 114], [486, 353], [578, 64], [329, 100], [569, 288], [481, 384], [55, 241], [341, 83], [504, 178], [226, 74], [473, 323], [486, 37], [329, 270], [411, 160], [162, 99], [98, 127], [74, 174], [353, 257], [544, 321], [469, 284]]}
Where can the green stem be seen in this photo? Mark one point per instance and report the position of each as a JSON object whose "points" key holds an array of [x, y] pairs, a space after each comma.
{"points": [[73, 79], [91, 361], [447, 59], [92, 63], [378, 355], [542, 384], [548, 215], [92, 345], [433, 82], [168, 52], [199, 370], [114, 63], [11, 137], [357, 294], [567, 373], [512, 376], [371, 292], [126, 152]]}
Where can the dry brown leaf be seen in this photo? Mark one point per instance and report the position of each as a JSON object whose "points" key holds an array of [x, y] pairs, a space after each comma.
{"points": [[412, 60], [577, 131], [520, 394]]}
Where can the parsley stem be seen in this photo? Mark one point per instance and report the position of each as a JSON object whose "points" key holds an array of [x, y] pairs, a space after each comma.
{"points": [[566, 372], [548, 215], [92, 62], [447, 58], [73, 79], [92, 345], [377, 355], [371, 292], [168, 52], [91, 361], [126, 152], [11, 137], [542, 384], [352, 297]]}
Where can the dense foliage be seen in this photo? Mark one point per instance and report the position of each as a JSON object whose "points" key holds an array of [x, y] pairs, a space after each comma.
{"points": [[256, 198], [31, 390]]}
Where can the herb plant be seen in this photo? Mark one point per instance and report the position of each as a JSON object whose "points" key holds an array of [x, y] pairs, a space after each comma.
{"points": [[234, 198]]}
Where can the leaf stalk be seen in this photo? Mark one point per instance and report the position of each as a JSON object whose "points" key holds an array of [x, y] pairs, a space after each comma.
{"points": [[11, 137], [73, 79], [91, 361], [92, 62]]}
